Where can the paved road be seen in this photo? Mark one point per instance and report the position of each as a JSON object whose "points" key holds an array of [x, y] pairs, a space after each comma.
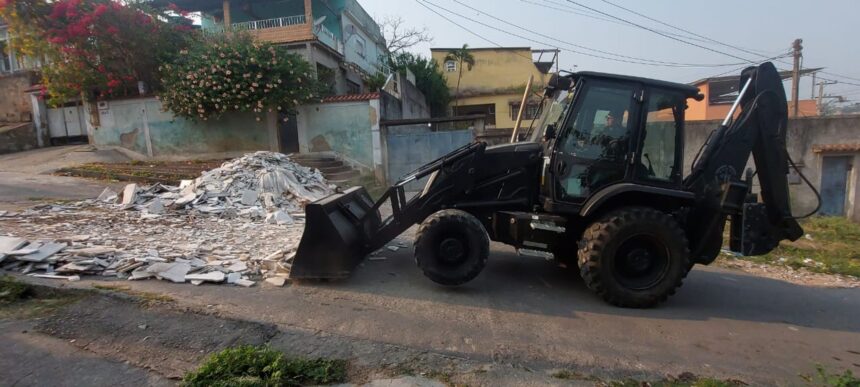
{"points": [[530, 312], [25, 176]]}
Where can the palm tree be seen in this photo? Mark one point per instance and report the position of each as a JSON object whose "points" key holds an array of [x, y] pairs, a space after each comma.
{"points": [[461, 55]]}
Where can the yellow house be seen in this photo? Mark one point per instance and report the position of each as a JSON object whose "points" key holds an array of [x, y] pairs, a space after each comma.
{"points": [[720, 93], [495, 84]]}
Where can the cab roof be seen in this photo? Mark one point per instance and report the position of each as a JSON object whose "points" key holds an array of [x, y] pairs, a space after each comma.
{"points": [[688, 90]]}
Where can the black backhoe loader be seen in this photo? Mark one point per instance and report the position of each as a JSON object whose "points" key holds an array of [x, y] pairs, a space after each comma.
{"points": [[598, 184]]}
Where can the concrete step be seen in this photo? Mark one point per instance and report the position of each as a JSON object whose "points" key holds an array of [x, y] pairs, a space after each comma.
{"points": [[300, 157], [321, 163], [340, 176], [329, 170]]}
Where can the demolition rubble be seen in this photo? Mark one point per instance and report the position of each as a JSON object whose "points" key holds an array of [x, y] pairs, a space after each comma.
{"points": [[237, 224]]}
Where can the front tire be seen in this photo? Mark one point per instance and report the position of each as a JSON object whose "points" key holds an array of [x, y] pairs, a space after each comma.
{"points": [[634, 257], [451, 247]]}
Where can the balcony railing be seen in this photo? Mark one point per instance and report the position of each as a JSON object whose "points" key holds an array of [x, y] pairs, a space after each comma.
{"points": [[285, 21], [327, 37]]}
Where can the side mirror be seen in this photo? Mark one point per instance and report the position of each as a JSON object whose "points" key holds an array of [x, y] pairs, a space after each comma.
{"points": [[549, 133]]}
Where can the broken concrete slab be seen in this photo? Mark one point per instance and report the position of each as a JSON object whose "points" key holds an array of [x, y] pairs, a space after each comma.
{"points": [[245, 283], [155, 207], [176, 273], [45, 252], [276, 281], [93, 251], [108, 196], [279, 217], [212, 276], [53, 276], [249, 197], [233, 277], [129, 194], [8, 243]]}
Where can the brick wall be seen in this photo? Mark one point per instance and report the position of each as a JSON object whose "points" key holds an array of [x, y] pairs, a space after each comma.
{"points": [[14, 102], [296, 33]]}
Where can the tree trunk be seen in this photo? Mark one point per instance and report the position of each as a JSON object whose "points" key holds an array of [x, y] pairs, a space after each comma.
{"points": [[459, 77]]}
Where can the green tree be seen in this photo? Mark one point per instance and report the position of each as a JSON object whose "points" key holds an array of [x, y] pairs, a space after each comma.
{"points": [[461, 55], [428, 79], [231, 72], [95, 48]]}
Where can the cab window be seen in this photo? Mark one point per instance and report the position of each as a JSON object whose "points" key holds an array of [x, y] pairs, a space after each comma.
{"points": [[658, 158]]}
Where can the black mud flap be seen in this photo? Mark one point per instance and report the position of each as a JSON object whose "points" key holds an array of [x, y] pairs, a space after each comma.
{"points": [[335, 236]]}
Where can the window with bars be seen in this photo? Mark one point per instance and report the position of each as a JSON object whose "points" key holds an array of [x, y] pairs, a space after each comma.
{"points": [[529, 114], [450, 66]]}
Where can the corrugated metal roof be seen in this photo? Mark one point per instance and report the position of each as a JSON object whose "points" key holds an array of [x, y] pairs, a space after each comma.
{"points": [[351, 97], [820, 148]]}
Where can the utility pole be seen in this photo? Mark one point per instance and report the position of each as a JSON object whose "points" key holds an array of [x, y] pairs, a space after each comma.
{"points": [[795, 77], [812, 92], [821, 95]]}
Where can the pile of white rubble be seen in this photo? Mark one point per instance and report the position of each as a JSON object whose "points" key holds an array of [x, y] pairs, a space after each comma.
{"points": [[258, 185], [206, 230]]}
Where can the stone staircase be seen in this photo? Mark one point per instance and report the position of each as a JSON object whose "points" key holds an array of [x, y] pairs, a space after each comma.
{"points": [[334, 170]]}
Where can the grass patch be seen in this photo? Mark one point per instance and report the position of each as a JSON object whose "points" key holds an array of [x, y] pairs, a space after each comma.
{"points": [[262, 366], [833, 247], [823, 378], [19, 300], [146, 298], [683, 380]]}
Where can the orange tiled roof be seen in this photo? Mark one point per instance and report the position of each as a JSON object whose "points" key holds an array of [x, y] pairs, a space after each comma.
{"points": [[351, 97], [819, 148]]}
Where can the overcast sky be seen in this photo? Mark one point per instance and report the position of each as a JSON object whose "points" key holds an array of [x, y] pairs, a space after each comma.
{"points": [[829, 29]]}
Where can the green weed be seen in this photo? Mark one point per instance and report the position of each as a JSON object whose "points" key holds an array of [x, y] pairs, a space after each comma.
{"points": [[262, 366]]}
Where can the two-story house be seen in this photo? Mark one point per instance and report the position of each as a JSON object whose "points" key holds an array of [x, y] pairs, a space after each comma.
{"points": [[494, 85], [336, 36]]}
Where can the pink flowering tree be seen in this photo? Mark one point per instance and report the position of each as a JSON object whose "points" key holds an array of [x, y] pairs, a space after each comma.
{"points": [[96, 48], [232, 73]]}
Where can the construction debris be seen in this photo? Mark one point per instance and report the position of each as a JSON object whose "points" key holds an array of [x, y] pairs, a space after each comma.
{"points": [[255, 218]]}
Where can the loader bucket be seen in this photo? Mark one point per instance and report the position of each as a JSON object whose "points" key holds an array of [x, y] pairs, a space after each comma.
{"points": [[334, 239]]}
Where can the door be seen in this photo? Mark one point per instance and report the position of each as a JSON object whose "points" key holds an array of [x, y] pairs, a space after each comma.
{"points": [[834, 184], [593, 148], [74, 125], [288, 133]]}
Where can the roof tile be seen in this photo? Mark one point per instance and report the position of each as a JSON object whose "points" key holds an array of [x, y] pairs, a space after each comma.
{"points": [[351, 97], [850, 147]]}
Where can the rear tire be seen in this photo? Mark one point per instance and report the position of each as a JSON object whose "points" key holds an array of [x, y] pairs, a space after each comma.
{"points": [[634, 257], [451, 247]]}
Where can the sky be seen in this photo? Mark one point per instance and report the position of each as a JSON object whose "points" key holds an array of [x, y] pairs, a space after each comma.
{"points": [[750, 30]]}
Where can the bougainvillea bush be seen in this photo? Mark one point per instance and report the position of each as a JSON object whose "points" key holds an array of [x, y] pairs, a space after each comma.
{"points": [[231, 72], [96, 48]]}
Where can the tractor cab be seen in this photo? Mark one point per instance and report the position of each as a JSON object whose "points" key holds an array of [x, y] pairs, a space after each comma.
{"points": [[605, 134]]}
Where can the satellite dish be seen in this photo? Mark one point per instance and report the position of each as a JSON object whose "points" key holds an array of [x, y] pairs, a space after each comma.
{"points": [[319, 21]]}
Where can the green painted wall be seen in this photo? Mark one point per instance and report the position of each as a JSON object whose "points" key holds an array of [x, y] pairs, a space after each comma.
{"points": [[245, 11], [122, 124], [340, 127]]}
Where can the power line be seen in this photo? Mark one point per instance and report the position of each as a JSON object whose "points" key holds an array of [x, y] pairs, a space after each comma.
{"points": [[575, 11], [686, 31], [661, 33], [589, 48], [547, 44]]}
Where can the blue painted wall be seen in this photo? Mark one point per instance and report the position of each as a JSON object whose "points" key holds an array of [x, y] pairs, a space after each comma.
{"points": [[122, 124], [340, 127]]}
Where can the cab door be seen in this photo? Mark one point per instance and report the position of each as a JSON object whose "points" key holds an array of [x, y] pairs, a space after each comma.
{"points": [[596, 143]]}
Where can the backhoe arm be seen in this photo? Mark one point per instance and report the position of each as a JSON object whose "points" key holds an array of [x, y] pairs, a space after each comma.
{"points": [[716, 178]]}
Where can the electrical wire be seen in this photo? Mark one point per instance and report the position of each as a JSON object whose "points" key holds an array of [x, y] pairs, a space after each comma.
{"points": [[661, 33], [422, 2], [748, 51], [589, 48]]}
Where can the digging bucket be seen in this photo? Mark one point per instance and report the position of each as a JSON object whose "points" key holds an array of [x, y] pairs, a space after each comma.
{"points": [[335, 238]]}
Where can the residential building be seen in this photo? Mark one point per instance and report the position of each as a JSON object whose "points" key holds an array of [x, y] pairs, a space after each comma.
{"points": [[721, 92], [494, 86], [16, 78], [337, 36]]}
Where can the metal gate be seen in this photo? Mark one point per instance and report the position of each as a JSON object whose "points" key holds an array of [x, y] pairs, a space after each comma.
{"points": [[410, 150], [834, 184], [66, 123]]}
